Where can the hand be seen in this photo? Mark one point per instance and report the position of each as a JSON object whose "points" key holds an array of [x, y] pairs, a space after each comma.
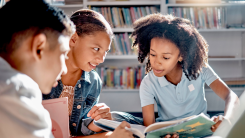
{"points": [[99, 111], [121, 132], [217, 120], [173, 136]]}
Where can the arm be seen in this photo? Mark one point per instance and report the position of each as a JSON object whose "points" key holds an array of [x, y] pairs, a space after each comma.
{"points": [[148, 114], [223, 91], [119, 132]]}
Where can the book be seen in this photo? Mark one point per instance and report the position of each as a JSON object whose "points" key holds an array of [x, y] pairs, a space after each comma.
{"points": [[194, 126], [58, 110]]}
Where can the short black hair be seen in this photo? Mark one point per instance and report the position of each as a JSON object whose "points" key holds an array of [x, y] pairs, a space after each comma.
{"points": [[30, 17], [192, 46]]}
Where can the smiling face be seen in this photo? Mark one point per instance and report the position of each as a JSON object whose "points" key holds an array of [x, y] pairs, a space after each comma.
{"points": [[164, 56], [88, 51]]}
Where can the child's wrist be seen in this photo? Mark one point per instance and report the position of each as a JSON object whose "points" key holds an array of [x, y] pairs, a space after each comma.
{"points": [[93, 127]]}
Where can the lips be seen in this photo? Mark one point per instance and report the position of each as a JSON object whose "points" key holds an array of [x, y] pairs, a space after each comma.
{"points": [[158, 71], [93, 66]]}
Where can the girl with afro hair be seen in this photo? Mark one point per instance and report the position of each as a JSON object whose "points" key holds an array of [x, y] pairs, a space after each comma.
{"points": [[177, 68]]}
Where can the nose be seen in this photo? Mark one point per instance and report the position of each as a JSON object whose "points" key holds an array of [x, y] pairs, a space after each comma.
{"points": [[157, 62], [101, 58]]}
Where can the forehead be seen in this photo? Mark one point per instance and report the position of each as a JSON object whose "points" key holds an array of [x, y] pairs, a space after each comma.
{"points": [[64, 43], [163, 45]]}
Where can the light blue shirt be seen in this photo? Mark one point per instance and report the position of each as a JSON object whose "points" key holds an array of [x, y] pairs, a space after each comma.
{"points": [[176, 102]]}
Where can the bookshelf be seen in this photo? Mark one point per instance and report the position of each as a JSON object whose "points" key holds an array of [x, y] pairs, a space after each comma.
{"points": [[223, 42]]}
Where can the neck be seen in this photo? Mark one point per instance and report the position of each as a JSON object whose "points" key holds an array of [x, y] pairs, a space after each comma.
{"points": [[175, 75], [73, 73]]}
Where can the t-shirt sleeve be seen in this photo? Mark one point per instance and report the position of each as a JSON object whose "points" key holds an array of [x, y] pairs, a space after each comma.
{"points": [[146, 93], [208, 75]]}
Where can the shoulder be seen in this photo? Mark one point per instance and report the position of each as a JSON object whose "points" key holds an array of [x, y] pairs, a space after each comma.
{"points": [[94, 76], [148, 80], [15, 82]]}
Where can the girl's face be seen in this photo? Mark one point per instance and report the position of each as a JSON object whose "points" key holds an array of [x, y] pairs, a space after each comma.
{"points": [[90, 50], [164, 56]]}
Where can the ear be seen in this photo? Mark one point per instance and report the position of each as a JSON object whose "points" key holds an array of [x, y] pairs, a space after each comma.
{"points": [[73, 39], [38, 45], [180, 58]]}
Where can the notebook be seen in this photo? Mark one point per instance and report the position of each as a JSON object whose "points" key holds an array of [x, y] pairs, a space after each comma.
{"points": [[58, 110]]}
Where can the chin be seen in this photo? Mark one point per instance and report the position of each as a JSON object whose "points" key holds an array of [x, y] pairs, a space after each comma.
{"points": [[46, 90]]}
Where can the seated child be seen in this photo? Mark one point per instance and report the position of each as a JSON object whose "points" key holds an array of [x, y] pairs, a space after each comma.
{"points": [[33, 46], [82, 85], [177, 69]]}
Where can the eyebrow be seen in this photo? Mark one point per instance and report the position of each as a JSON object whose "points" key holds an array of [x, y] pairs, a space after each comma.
{"points": [[162, 53]]}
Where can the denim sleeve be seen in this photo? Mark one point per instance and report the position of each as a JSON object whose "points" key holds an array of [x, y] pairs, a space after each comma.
{"points": [[85, 122], [84, 127]]}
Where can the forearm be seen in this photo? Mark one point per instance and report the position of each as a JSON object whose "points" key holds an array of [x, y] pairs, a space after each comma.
{"points": [[93, 127], [230, 102], [100, 135]]}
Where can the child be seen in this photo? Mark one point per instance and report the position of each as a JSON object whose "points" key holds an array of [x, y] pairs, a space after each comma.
{"points": [[82, 85], [34, 43], [177, 69]]}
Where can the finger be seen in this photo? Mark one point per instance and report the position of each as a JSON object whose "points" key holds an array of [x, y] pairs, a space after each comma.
{"points": [[96, 107], [174, 136], [215, 126], [124, 124], [213, 118], [129, 134], [99, 111], [167, 136], [102, 116]]}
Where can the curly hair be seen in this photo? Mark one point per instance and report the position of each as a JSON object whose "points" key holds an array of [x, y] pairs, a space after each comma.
{"points": [[192, 46]]}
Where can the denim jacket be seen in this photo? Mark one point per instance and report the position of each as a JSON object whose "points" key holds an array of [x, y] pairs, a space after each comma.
{"points": [[86, 95]]}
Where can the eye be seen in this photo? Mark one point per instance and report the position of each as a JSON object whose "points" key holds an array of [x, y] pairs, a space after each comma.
{"points": [[165, 58], [152, 55], [96, 49]]}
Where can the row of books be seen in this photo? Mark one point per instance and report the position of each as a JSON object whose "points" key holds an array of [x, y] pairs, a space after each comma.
{"points": [[202, 17], [121, 78], [121, 45], [122, 17]]}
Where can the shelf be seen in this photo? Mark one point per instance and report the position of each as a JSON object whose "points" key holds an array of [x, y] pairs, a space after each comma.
{"points": [[120, 90], [130, 3], [137, 90], [68, 6], [226, 59], [116, 30], [121, 57], [122, 30], [136, 58], [205, 5]]}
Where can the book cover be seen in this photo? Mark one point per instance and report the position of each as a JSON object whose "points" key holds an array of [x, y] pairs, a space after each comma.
{"points": [[194, 126], [58, 110]]}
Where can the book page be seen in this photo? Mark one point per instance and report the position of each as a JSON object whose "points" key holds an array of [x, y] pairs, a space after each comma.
{"points": [[197, 126], [109, 125], [159, 125]]}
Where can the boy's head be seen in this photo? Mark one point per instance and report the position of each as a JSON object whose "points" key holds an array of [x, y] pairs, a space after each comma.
{"points": [[35, 40], [173, 41]]}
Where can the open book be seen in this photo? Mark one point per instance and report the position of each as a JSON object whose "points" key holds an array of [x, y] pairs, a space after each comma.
{"points": [[58, 110], [194, 126]]}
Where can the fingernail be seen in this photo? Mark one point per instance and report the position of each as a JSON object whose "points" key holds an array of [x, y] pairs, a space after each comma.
{"points": [[88, 115]]}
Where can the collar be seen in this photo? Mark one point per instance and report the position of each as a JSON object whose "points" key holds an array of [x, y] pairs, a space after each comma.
{"points": [[4, 63], [85, 76], [164, 82]]}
